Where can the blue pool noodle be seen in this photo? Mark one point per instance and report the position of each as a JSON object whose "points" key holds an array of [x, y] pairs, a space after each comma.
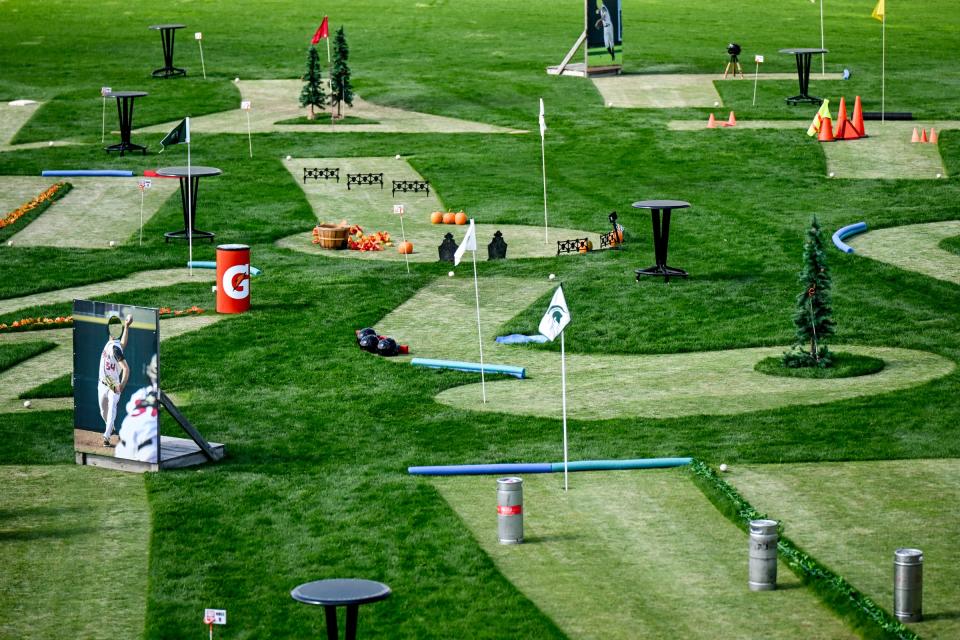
{"points": [[470, 367], [845, 232], [111, 173], [547, 467], [209, 264]]}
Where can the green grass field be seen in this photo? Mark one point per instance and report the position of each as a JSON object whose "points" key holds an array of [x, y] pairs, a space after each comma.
{"points": [[318, 434]]}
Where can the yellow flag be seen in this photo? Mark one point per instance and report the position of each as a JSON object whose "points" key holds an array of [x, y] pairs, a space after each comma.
{"points": [[879, 11], [823, 112]]}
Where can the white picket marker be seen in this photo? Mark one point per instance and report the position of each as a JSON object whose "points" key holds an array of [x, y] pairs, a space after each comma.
{"points": [[199, 38], [756, 76], [142, 185], [104, 92], [245, 106], [398, 209]]}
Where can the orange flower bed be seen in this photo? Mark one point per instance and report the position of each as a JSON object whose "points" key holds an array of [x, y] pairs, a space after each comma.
{"points": [[20, 211], [34, 324]]}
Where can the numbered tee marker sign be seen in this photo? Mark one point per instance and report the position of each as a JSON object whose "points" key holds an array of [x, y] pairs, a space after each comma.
{"points": [[215, 616], [245, 105], [198, 36], [758, 59], [105, 91], [398, 209]]}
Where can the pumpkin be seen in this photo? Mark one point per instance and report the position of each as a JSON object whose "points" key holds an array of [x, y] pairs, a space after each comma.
{"points": [[405, 247], [449, 218], [436, 217], [460, 218]]}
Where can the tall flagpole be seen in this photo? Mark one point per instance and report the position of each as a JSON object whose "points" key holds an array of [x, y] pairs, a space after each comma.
{"points": [[883, 70], [189, 201], [476, 291], [823, 56], [563, 384], [543, 159]]}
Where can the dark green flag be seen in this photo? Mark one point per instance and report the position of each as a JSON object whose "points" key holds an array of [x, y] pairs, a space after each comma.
{"points": [[180, 134]]}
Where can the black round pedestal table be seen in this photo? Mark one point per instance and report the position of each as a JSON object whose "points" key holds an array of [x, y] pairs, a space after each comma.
{"points": [[804, 57], [167, 34], [189, 184], [341, 592], [660, 216], [125, 113]]}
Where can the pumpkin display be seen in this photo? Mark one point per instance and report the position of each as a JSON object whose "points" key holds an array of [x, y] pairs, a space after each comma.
{"points": [[449, 218], [436, 217], [405, 247], [460, 218]]}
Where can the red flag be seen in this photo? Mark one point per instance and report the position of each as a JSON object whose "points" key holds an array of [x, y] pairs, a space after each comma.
{"points": [[322, 32]]}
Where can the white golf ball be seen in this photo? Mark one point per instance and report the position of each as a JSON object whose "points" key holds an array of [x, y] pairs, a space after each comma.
{"points": [[111, 243], [450, 273], [716, 103], [832, 174], [289, 157], [398, 156], [609, 104], [723, 467], [552, 277], [27, 404], [9, 243], [50, 144], [939, 176], [236, 79]]}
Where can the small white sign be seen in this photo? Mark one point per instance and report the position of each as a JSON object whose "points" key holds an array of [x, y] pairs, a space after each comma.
{"points": [[145, 184], [105, 91], [198, 36], [216, 616], [398, 209], [245, 105], [758, 59]]}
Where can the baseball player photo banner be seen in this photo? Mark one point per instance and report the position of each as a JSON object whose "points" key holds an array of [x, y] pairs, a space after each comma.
{"points": [[116, 380], [604, 29]]}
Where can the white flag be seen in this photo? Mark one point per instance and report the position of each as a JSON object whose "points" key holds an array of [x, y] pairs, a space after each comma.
{"points": [[469, 244], [543, 123], [557, 316]]}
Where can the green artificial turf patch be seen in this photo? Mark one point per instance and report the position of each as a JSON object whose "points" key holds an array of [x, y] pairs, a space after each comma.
{"points": [[617, 555], [845, 365], [15, 353], [323, 119], [915, 247], [853, 515], [75, 552]]}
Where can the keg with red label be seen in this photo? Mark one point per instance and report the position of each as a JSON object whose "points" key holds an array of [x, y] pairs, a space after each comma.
{"points": [[233, 278], [510, 510]]}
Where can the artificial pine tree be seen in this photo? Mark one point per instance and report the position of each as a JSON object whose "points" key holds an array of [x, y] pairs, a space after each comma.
{"points": [[813, 317], [340, 88], [312, 93]]}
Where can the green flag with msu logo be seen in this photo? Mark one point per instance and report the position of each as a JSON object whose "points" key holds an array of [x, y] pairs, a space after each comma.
{"points": [[557, 316], [179, 135]]}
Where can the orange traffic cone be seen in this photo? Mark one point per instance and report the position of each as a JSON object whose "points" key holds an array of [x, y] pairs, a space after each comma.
{"points": [[934, 136], [858, 117], [842, 113], [826, 131], [712, 122], [923, 135], [846, 131], [916, 136], [731, 121]]}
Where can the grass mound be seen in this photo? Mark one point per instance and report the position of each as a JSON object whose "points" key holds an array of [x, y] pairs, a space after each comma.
{"points": [[951, 244], [845, 365], [13, 354], [323, 120]]}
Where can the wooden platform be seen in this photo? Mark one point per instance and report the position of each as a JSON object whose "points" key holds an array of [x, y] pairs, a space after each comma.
{"points": [[174, 453]]}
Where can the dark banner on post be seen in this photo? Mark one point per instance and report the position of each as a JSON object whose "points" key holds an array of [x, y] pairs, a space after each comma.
{"points": [[116, 377], [604, 35]]}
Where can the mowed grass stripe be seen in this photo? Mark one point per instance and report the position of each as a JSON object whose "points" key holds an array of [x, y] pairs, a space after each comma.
{"points": [[75, 542], [655, 385], [853, 515], [628, 554]]}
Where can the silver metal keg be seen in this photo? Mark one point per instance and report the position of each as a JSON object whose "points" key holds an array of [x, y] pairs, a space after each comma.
{"points": [[510, 510], [763, 555], [908, 585]]}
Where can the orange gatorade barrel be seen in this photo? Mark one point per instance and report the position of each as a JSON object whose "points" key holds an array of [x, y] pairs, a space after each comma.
{"points": [[233, 278]]}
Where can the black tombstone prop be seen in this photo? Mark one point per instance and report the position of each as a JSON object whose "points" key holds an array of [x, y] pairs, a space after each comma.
{"points": [[497, 249], [447, 248]]}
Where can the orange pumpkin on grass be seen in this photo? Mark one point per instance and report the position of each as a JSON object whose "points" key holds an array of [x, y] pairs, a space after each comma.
{"points": [[436, 217], [405, 247], [449, 218], [460, 218]]}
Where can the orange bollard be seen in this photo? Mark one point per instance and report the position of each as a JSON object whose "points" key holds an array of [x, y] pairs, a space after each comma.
{"points": [[858, 117], [711, 122], [731, 121], [934, 136], [923, 135], [916, 136], [826, 131]]}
